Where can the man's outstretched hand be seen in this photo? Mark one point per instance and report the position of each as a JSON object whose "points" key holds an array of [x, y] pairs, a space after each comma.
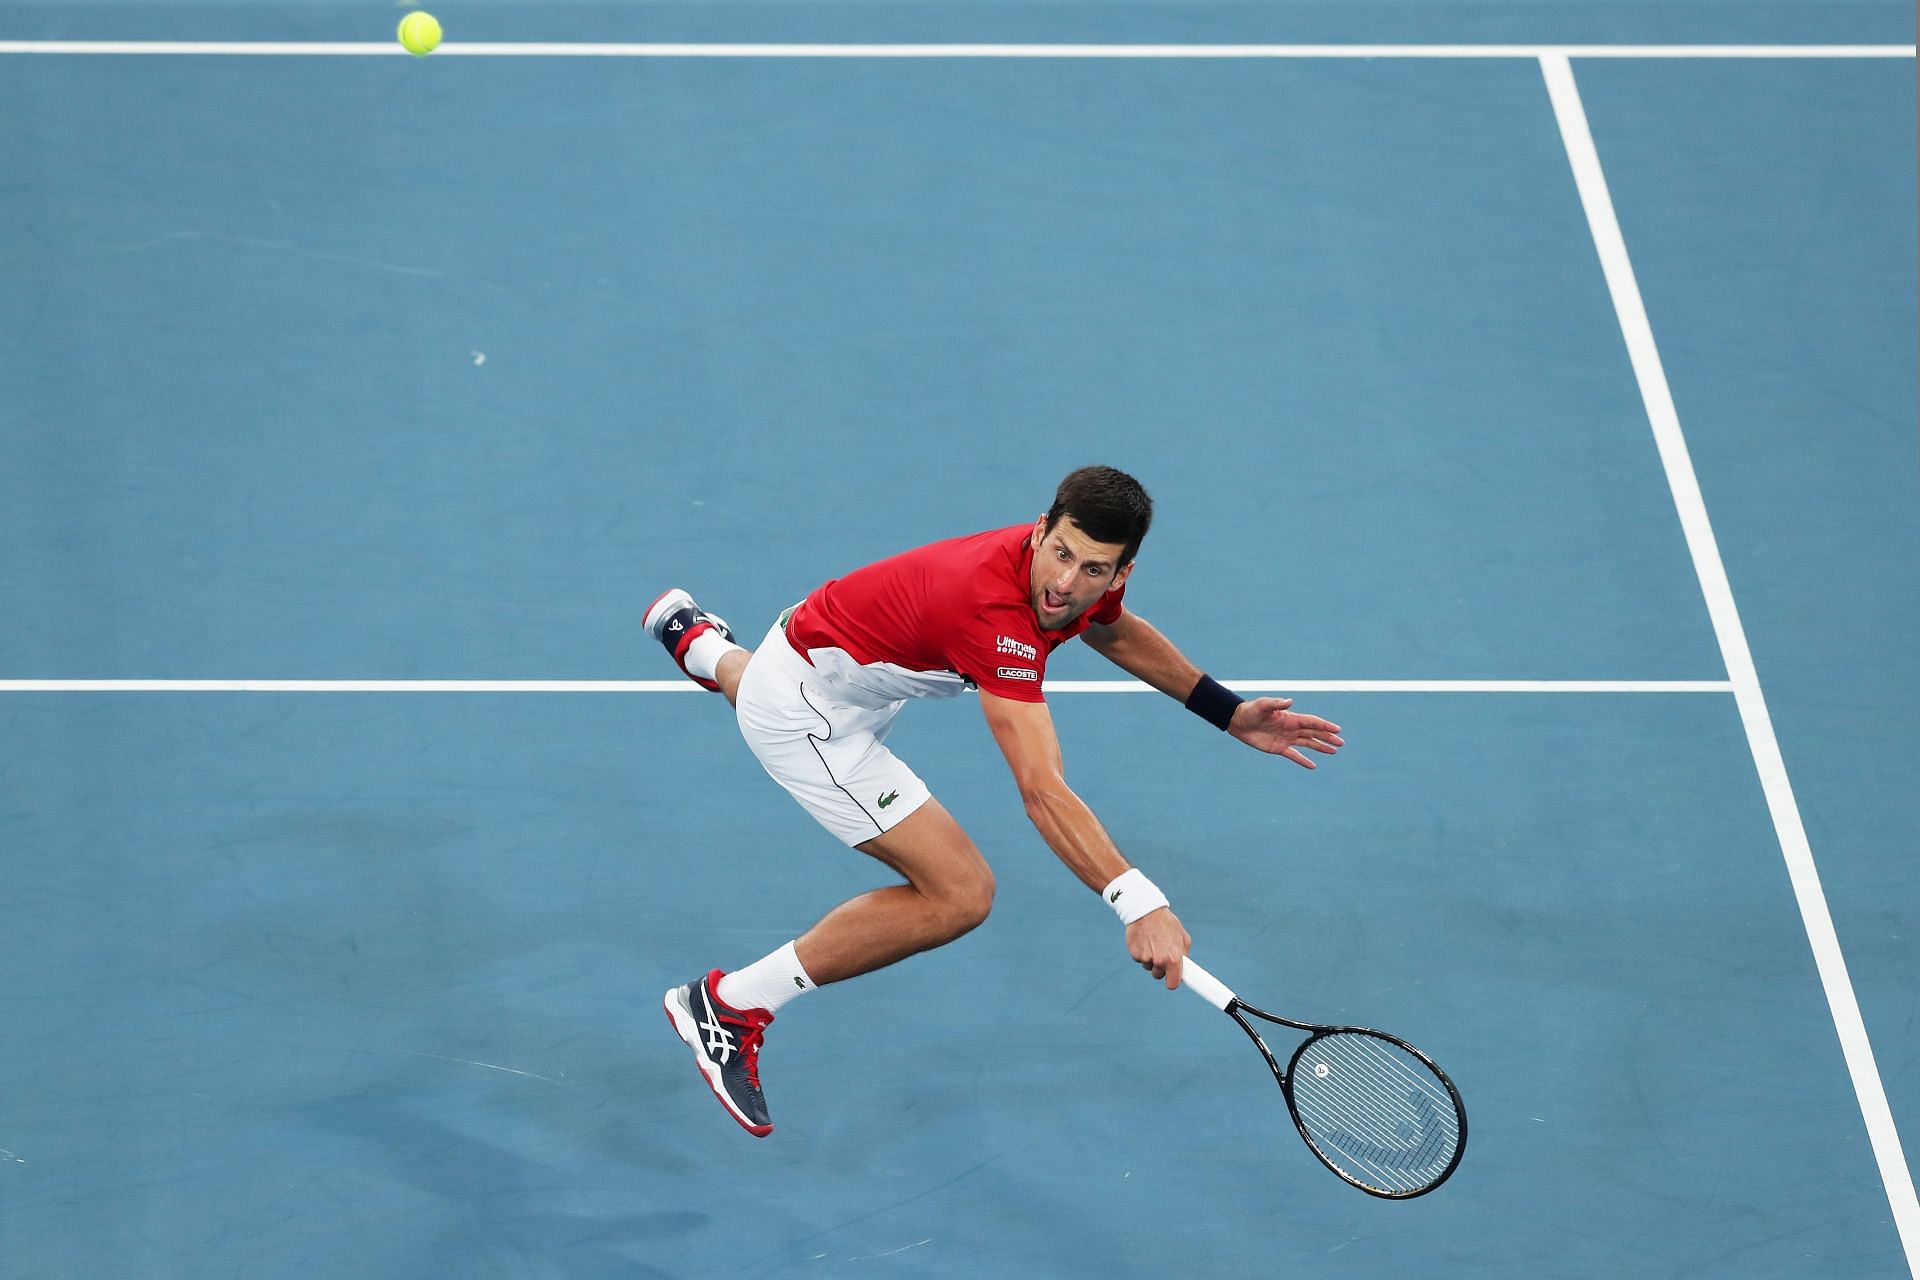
{"points": [[1267, 725]]}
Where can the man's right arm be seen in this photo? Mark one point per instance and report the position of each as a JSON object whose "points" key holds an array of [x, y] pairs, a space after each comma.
{"points": [[1024, 733]]}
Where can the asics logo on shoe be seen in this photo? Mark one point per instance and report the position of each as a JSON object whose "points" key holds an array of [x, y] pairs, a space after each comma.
{"points": [[719, 1039], [889, 798]]}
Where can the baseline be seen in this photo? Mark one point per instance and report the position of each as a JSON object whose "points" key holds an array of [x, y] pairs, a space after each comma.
{"points": [[387, 48]]}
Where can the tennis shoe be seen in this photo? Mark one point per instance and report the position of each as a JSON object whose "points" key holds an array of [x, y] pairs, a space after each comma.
{"points": [[726, 1047], [676, 622]]}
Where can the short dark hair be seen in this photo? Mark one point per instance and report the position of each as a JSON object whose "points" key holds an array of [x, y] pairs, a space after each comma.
{"points": [[1108, 505]]}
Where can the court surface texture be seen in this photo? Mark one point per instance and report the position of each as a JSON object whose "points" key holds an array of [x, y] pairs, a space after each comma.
{"points": [[1529, 388]]}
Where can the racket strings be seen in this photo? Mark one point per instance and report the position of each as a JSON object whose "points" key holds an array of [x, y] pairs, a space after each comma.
{"points": [[1374, 1112]]}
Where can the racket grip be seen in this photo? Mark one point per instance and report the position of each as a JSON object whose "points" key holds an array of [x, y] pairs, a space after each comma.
{"points": [[1204, 985]]}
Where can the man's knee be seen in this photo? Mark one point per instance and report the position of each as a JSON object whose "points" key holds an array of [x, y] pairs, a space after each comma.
{"points": [[944, 867], [971, 901], [956, 902]]}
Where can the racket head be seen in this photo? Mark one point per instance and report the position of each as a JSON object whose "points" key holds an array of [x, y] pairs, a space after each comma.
{"points": [[1377, 1111]]}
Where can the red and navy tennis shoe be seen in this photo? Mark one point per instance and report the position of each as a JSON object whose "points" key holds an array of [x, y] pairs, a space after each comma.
{"points": [[726, 1046], [676, 622]]}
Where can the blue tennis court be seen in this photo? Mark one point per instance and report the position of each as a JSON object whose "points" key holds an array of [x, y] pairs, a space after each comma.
{"points": [[356, 405]]}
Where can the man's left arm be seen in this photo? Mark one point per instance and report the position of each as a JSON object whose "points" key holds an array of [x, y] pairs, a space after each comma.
{"points": [[1138, 648]]}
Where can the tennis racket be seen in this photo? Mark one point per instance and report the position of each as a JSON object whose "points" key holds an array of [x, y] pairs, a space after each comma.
{"points": [[1373, 1108]]}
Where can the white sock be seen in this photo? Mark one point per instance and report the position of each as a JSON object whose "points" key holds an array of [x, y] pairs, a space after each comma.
{"points": [[704, 654], [768, 983]]}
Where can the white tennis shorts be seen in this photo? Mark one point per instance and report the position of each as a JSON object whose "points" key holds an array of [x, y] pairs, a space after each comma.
{"points": [[828, 751]]}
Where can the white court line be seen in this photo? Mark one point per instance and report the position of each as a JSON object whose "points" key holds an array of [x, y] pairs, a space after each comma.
{"points": [[349, 686], [1767, 760], [388, 48], [685, 686], [1414, 686]]}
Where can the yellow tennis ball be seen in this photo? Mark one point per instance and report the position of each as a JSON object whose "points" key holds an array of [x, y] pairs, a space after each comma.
{"points": [[420, 33]]}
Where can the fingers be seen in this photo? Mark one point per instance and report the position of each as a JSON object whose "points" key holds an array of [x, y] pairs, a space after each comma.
{"points": [[1167, 970], [1305, 725], [1315, 734], [1293, 754], [1162, 950], [1278, 708], [1174, 968]]}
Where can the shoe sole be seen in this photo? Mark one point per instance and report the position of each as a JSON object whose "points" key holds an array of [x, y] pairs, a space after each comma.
{"points": [[681, 1017]]}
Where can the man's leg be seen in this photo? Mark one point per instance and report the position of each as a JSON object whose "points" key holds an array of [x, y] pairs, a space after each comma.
{"points": [[698, 641], [949, 891], [727, 672], [723, 1017]]}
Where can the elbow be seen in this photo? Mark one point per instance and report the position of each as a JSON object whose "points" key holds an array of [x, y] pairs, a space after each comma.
{"points": [[1043, 800], [1034, 803]]}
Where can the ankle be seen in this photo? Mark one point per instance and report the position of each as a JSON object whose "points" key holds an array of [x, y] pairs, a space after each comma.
{"points": [[767, 983], [705, 654]]}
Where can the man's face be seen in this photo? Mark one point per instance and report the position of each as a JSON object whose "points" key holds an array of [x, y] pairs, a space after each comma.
{"points": [[1071, 572]]}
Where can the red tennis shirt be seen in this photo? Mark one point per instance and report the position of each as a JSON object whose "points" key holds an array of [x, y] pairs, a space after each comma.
{"points": [[948, 611]]}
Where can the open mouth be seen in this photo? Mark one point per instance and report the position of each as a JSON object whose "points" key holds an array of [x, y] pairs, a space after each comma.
{"points": [[1053, 602]]}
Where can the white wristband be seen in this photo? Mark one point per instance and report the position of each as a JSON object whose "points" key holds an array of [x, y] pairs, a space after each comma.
{"points": [[1132, 895]]}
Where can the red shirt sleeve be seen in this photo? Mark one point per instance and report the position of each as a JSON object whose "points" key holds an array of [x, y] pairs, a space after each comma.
{"points": [[1000, 650]]}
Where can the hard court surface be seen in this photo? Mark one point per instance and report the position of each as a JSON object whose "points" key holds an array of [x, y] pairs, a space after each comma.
{"points": [[350, 368]]}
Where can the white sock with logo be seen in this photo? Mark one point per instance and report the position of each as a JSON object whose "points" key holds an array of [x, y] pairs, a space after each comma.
{"points": [[768, 983], [704, 654]]}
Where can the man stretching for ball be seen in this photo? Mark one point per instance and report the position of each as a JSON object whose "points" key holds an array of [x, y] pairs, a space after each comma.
{"points": [[815, 703]]}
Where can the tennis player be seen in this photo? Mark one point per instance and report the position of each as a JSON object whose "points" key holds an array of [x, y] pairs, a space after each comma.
{"points": [[815, 703]]}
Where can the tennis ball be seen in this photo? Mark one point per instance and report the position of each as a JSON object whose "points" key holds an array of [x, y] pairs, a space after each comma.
{"points": [[420, 33]]}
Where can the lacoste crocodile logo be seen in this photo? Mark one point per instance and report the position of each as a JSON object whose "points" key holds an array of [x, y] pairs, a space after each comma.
{"points": [[889, 798]]}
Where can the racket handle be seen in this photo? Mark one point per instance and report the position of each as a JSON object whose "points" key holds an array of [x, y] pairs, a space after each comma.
{"points": [[1205, 985]]}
